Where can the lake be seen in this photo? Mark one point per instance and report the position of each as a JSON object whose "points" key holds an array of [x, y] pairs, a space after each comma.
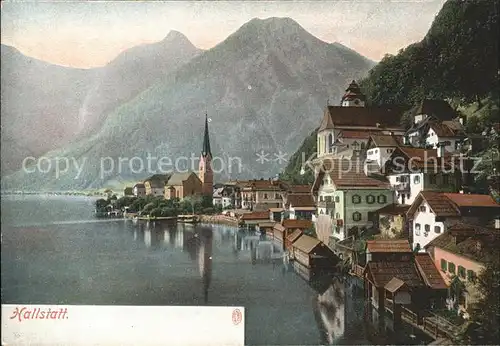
{"points": [[55, 252]]}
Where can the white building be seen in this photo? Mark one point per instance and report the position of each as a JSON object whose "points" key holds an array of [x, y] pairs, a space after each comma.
{"points": [[432, 212], [412, 170], [380, 147], [349, 196], [300, 206], [222, 197], [139, 190]]}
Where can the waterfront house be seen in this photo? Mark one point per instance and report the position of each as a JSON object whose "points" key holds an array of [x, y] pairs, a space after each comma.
{"points": [[155, 185], [462, 252], [253, 219], [349, 195], [395, 279], [412, 170], [182, 185], [288, 226], [313, 254], [139, 190], [222, 197], [261, 194], [391, 221], [266, 227], [432, 211], [290, 239], [276, 214], [300, 206]]}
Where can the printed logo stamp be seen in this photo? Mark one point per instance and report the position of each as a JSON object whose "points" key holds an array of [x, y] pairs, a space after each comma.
{"points": [[237, 317]]}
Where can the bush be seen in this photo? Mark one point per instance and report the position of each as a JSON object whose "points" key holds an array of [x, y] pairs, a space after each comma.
{"points": [[208, 210], [156, 212]]}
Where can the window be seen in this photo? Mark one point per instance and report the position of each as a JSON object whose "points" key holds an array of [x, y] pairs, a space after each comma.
{"points": [[471, 276], [376, 151], [437, 229], [321, 198], [422, 208], [337, 199], [432, 179], [427, 228], [461, 272], [337, 216], [370, 199], [417, 229], [444, 265], [356, 216], [451, 268], [362, 145], [356, 199], [277, 196], [382, 199], [416, 179]]}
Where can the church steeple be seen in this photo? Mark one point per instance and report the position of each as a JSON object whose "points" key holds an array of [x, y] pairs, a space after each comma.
{"points": [[205, 172], [353, 96], [206, 140]]}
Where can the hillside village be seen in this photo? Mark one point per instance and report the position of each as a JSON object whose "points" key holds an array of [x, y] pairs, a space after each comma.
{"points": [[383, 197]]}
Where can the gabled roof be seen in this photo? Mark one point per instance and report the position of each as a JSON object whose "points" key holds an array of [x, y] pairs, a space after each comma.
{"points": [[385, 116], [279, 227], [294, 223], [349, 174], [462, 239], [422, 159], [448, 204], [388, 246], [256, 215], [294, 235], [299, 189], [448, 128], [306, 243], [380, 141], [139, 186], [437, 108], [266, 224], [437, 201], [429, 272], [262, 185], [393, 209], [383, 272], [178, 178], [352, 134], [302, 200]]}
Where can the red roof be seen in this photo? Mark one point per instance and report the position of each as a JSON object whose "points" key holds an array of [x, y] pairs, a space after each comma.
{"points": [[256, 215], [393, 209], [466, 200], [355, 134], [297, 224], [303, 200], [390, 246], [429, 272]]}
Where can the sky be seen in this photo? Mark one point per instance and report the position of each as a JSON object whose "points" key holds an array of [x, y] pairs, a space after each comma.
{"points": [[91, 33]]}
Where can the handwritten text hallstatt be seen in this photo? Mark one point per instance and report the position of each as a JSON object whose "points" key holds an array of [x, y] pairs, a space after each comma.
{"points": [[22, 314]]}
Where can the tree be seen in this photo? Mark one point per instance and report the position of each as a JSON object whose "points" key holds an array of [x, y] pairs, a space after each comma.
{"points": [[486, 311], [101, 204]]}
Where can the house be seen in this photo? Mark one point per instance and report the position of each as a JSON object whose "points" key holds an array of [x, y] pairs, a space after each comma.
{"points": [[313, 254], [380, 147], [266, 227], [283, 229], [448, 134], [182, 185], [235, 188], [395, 278], [425, 114], [277, 214], [222, 197], [139, 190], [391, 221], [300, 206], [412, 170], [261, 194], [349, 195], [432, 212], [350, 124], [462, 252], [155, 185], [254, 218], [290, 239], [128, 191]]}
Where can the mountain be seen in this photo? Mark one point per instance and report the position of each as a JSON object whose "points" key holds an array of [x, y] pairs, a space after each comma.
{"points": [[46, 106], [264, 88], [39, 105], [130, 73]]}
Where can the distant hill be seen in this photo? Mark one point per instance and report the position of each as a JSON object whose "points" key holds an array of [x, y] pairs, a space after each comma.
{"points": [[264, 88]]}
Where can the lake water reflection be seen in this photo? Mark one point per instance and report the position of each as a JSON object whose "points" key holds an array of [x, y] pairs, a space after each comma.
{"points": [[80, 261]]}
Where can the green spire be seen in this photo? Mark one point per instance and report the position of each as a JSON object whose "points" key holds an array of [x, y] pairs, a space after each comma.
{"points": [[206, 140]]}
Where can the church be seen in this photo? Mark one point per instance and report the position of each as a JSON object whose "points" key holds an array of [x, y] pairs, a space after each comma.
{"points": [[181, 185]]}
